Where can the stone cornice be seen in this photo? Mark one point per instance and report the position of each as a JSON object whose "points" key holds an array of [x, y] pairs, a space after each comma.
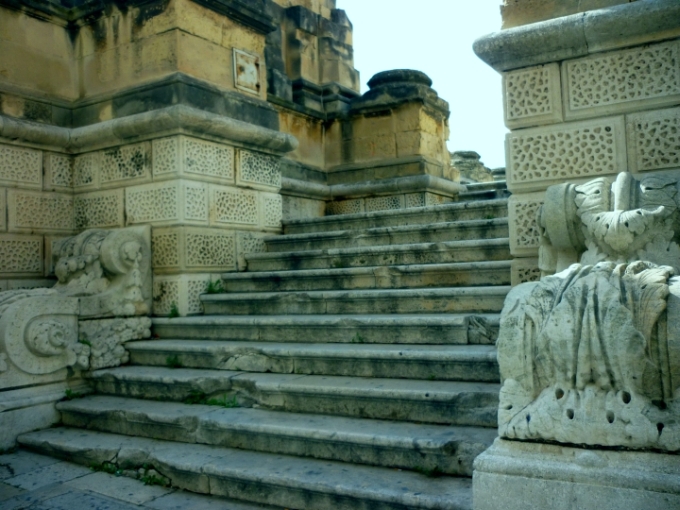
{"points": [[580, 34], [178, 119]]}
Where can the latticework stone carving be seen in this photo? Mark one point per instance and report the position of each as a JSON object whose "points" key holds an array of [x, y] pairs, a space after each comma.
{"points": [[21, 255], [525, 236], [58, 171], [86, 170], [541, 156], [532, 96], [165, 249], [272, 210], [20, 166], [129, 163], [650, 74], [384, 203], [34, 210], [353, 206], [210, 249], [152, 203], [260, 169], [654, 139], [199, 159], [235, 206], [99, 209]]}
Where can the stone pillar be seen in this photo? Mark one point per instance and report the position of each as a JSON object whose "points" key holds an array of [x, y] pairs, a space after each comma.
{"points": [[589, 359]]}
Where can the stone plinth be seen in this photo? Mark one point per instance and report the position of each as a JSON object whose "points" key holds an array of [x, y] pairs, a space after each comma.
{"points": [[516, 475]]}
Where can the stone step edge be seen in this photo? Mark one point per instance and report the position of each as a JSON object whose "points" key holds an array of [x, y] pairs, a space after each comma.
{"points": [[259, 477], [404, 269], [435, 441], [502, 242], [375, 231], [453, 206]]}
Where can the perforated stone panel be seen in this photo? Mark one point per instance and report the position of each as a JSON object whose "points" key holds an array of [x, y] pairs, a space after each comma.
{"points": [[20, 166], [272, 210], [167, 202], [86, 170], [524, 270], [432, 199], [654, 140], [525, 237], [619, 81], [126, 164], [182, 291], [165, 247], [199, 159], [58, 172], [354, 206], [3, 209], [40, 211], [547, 155], [533, 96], [99, 209], [414, 200], [259, 169], [233, 206], [21, 255], [210, 249], [248, 242], [384, 203]]}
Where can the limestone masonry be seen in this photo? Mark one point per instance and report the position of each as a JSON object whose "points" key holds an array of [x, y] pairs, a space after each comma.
{"points": [[225, 270]]}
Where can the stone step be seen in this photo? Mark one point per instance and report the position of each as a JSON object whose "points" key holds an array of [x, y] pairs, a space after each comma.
{"points": [[437, 232], [362, 329], [364, 256], [272, 479], [462, 274], [440, 300], [425, 448], [457, 211], [431, 362], [439, 402]]}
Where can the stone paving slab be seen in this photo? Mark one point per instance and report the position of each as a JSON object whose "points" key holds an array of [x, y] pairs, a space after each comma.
{"points": [[38, 482]]}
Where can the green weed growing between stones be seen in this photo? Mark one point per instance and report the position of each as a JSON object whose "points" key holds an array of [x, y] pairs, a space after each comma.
{"points": [[173, 362]]}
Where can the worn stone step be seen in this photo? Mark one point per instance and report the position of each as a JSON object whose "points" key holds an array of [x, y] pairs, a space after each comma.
{"points": [[438, 300], [422, 253], [441, 402], [273, 479], [462, 274], [457, 211], [437, 232], [366, 329], [429, 448], [440, 362]]}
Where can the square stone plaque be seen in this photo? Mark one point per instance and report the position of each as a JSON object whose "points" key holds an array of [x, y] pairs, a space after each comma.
{"points": [[246, 72]]}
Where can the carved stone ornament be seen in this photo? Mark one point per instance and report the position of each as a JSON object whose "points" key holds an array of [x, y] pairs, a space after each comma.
{"points": [[102, 273], [591, 355]]}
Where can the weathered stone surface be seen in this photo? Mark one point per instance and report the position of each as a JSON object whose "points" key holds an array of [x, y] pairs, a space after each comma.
{"points": [[106, 339]]}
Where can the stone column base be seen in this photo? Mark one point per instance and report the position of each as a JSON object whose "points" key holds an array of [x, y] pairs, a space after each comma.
{"points": [[513, 475]]}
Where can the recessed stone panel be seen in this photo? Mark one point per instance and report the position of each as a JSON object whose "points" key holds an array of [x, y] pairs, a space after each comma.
{"points": [[124, 165], [233, 206], [167, 202], [100, 209], [181, 249], [86, 170], [20, 166], [40, 211], [525, 237], [58, 172], [621, 81], [21, 255], [533, 96], [258, 169], [548, 155], [198, 159], [654, 140]]}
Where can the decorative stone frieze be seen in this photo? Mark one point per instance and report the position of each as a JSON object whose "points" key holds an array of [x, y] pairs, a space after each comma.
{"points": [[548, 155], [533, 96], [192, 249], [167, 202], [125, 165], [255, 169], [179, 156], [233, 206], [106, 339], [21, 255], [594, 85], [384, 203], [591, 355], [100, 209], [525, 236], [653, 140]]}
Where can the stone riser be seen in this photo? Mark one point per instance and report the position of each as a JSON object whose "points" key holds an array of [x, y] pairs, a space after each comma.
{"points": [[445, 363], [440, 232], [448, 450], [447, 300], [384, 277], [438, 402], [372, 329], [289, 482], [426, 253], [425, 215]]}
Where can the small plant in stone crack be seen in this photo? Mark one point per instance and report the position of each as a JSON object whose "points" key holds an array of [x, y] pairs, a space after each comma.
{"points": [[358, 339], [214, 287], [69, 394], [174, 311], [223, 402], [196, 397], [173, 362], [106, 467], [150, 476]]}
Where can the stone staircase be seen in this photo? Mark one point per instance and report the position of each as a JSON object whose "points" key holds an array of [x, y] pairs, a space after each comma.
{"points": [[351, 367]]}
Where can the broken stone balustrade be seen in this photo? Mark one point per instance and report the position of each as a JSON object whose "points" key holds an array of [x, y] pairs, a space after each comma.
{"points": [[101, 300]]}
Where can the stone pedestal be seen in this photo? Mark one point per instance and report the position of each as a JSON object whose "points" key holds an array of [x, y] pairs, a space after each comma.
{"points": [[515, 475]]}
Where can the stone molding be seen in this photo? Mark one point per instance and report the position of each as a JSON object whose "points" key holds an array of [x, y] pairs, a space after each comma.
{"points": [[173, 120], [580, 34]]}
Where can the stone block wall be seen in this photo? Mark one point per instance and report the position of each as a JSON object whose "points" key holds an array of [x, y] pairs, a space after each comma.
{"points": [[575, 119]]}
